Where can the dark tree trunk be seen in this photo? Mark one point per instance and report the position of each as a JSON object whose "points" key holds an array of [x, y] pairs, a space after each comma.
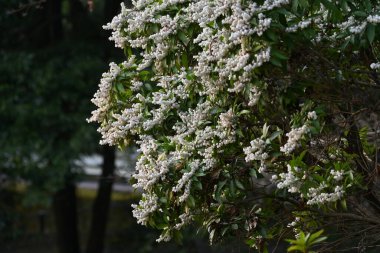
{"points": [[102, 202], [54, 17], [78, 18], [65, 215], [100, 209], [64, 200]]}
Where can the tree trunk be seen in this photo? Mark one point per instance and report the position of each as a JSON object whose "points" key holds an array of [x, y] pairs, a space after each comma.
{"points": [[100, 209], [54, 17], [78, 19], [95, 243], [64, 200], [65, 214]]}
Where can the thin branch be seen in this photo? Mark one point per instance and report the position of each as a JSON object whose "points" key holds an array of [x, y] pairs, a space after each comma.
{"points": [[26, 7]]}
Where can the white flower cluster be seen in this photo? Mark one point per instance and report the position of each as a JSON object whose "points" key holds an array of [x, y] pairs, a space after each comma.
{"points": [[294, 223], [374, 19], [254, 96], [294, 179], [294, 136], [337, 175], [299, 26], [256, 152], [375, 65], [227, 119], [146, 206], [185, 219], [312, 115], [358, 26], [289, 180], [316, 196], [102, 96], [150, 166], [185, 180], [164, 237]]}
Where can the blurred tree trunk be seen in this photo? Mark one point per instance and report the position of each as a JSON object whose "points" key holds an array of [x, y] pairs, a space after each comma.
{"points": [[66, 222], [78, 18], [64, 200], [100, 208], [54, 17]]}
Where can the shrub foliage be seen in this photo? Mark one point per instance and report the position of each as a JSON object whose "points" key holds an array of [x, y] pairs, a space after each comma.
{"points": [[255, 119]]}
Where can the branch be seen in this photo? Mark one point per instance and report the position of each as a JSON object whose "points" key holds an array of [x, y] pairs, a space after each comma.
{"points": [[25, 7]]}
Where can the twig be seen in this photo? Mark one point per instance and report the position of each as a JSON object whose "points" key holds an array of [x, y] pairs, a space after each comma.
{"points": [[25, 7]]}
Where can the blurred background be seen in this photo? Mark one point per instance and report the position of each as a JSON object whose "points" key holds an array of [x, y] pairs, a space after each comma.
{"points": [[60, 191]]}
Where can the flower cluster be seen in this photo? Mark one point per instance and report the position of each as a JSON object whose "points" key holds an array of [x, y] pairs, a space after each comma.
{"points": [[289, 180], [103, 95], [147, 205], [201, 83], [256, 152], [294, 137], [316, 196]]}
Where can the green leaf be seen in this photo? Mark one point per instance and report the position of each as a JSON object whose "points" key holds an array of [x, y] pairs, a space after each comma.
{"points": [[239, 184], [371, 29], [343, 203], [183, 38], [184, 60], [265, 130], [272, 35], [304, 3], [219, 190], [295, 4], [253, 173], [211, 236], [197, 185], [224, 230], [318, 240], [120, 87], [244, 112], [232, 188], [275, 62], [191, 201], [235, 226], [278, 54], [274, 135], [316, 235], [295, 248], [360, 14]]}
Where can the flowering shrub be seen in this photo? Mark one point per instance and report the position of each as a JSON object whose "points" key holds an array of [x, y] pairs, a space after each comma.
{"points": [[247, 113]]}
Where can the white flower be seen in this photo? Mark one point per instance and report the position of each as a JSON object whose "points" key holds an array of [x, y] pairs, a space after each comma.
{"points": [[102, 96], [147, 205], [375, 19], [288, 180], [337, 175], [375, 66], [294, 136], [318, 197], [227, 119], [255, 152], [312, 115]]}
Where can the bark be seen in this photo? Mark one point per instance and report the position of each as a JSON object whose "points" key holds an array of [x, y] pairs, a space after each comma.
{"points": [[64, 200], [54, 17], [102, 202], [78, 18], [65, 214]]}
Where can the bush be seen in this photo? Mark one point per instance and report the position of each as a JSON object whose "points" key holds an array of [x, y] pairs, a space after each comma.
{"points": [[252, 117]]}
